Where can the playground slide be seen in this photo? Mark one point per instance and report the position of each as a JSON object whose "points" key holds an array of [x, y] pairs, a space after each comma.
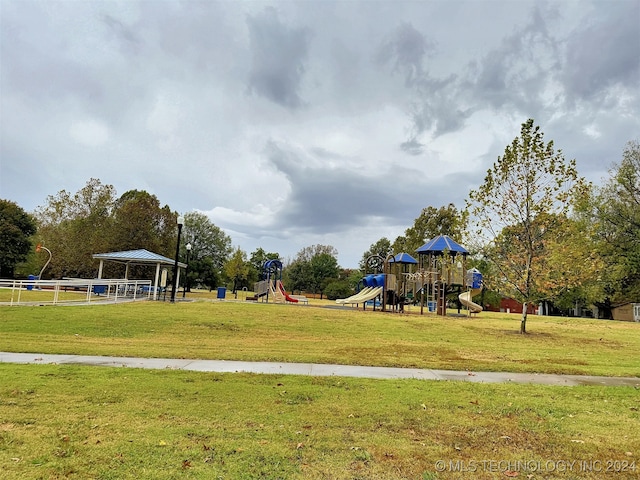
{"points": [[287, 297], [465, 299], [366, 296], [350, 299]]}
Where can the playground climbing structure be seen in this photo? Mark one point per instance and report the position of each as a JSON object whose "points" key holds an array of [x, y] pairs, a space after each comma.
{"points": [[271, 285]]}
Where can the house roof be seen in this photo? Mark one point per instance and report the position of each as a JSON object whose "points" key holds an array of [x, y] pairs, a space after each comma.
{"points": [[137, 257], [440, 244]]}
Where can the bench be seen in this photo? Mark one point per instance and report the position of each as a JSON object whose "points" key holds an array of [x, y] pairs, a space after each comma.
{"points": [[300, 298]]}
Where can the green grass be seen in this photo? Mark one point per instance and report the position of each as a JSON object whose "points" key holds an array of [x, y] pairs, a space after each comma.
{"points": [[79, 422], [267, 332], [88, 422]]}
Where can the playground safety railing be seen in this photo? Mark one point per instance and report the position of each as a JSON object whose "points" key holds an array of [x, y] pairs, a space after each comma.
{"points": [[69, 291]]}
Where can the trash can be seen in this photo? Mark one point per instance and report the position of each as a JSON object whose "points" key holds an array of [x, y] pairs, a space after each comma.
{"points": [[31, 277], [222, 293], [431, 306]]}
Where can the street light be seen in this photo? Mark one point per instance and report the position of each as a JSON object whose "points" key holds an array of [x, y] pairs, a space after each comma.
{"points": [[186, 271], [175, 265], [40, 247]]}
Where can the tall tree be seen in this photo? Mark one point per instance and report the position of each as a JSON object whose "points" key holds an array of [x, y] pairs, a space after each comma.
{"points": [[140, 222], [297, 276], [16, 229], [431, 222], [307, 253], [324, 268], [571, 264], [210, 249], [237, 269], [257, 260], [617, 212], [311, 268], [516, 208], [75, 226]]}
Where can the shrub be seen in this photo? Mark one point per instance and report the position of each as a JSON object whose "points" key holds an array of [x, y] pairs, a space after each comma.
{"points": [[338, 289]]}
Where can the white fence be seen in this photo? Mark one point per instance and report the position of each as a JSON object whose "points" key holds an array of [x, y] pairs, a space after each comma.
{"points": [[69, 291]]}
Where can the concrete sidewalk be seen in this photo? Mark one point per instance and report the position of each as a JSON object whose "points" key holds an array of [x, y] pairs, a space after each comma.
{"points": [[317, 370]]}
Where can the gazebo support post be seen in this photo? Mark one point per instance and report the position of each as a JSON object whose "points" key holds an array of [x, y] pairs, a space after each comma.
{"points": [[155, 282]]}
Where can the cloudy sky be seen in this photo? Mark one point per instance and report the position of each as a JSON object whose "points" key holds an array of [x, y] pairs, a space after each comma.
{"points": [[307, 122]]}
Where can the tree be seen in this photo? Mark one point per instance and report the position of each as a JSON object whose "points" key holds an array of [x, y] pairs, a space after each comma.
{"points": [[324, 268], [74, 227], [140, 222], [617, 213], [16, 229], [257, 260], [338, 289], [93, 220], [307, 253], [430, 223], [210, 249], [515, 210], [312, 267], [572, 264], [298, 276], [381, 248], [237, 269]]}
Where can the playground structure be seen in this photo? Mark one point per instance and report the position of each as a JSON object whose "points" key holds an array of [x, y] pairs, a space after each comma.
{"points": [[401, 279], [441, 266], [271, 285], [473, 282], [373, 287]]}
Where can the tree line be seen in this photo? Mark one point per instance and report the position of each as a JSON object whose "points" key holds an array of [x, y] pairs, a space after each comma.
{"points": [[536, 229]]}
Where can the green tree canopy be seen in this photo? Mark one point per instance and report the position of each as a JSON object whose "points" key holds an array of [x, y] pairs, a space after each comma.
{"points": [[16, 229], [140, 222], [617, 213], [312, 268], [324, 268], [307, 253], [431, 222], [210, 249], [75, 226], [257, 260], [515, 210], [237, 269]]}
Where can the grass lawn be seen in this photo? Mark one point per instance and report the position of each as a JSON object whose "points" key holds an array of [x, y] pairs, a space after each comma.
{"points": [[268, 332], [65, 421]]}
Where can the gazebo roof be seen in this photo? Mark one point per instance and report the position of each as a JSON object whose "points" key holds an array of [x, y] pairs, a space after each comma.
{"points": [[441, 243], [137, 257]]}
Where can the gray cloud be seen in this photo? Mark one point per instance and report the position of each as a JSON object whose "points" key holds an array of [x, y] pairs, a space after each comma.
{"points": [[278, 56], [406, 50], [604, 53], [297, 123], [328, 199]]}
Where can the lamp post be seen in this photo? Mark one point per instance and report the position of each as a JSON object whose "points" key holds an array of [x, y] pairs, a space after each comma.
{"points": [[175, 265], [186, 271], [42, 247]]}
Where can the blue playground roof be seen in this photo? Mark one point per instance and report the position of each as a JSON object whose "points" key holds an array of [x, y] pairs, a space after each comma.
{"points": [[404, 258], [441, 243]]}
